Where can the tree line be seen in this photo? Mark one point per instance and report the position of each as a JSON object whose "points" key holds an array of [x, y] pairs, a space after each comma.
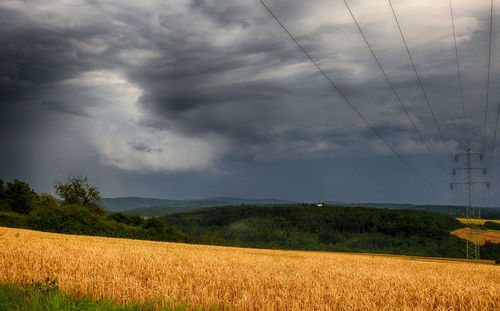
{"points": [[78, 212]]}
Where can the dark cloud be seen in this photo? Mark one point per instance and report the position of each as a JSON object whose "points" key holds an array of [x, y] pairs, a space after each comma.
{"points": [[224, 13], [35, 56], [224, 75]]}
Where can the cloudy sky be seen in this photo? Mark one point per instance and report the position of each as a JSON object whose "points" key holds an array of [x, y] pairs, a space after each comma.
{"points": [[201, 98]]}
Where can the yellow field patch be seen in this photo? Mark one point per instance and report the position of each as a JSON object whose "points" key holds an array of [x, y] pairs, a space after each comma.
{"points": [[244, 279], [476, 221], [478, 236]]}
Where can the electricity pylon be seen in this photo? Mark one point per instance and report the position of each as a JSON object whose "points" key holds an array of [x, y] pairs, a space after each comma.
{"points": [[472, 249]]}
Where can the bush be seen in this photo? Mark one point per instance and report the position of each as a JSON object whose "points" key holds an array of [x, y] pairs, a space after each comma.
{"points": [[13, 220], [119, 217], [490, 251], [4, 206], [492, 225], [136, 220], [45, 200]]}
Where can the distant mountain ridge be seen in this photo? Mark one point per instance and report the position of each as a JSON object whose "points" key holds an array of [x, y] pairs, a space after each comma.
{"points": [[159, 207]]}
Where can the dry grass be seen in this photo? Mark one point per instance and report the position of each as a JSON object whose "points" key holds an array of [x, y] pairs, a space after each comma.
{"points": [[244, 279], [476, 221], [478, 236]]}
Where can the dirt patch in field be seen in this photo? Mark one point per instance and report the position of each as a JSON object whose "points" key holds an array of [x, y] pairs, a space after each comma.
{"points": [[478, 236]]}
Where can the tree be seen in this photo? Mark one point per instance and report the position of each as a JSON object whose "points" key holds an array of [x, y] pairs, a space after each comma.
{"points": [[4, 205], [46, 200], [78, 191], [20, 197], [2, 189]]}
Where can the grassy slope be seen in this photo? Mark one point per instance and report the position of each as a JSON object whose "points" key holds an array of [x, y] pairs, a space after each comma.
{"points": [[38, 297]]}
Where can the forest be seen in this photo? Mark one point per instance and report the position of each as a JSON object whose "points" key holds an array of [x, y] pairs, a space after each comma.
{"points": [[328, 228]]}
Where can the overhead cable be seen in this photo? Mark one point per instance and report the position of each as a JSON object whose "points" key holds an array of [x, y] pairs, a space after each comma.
{"points": [[346, 99], [418, 77], [487, 80], [494, 139], [394, 91], [459, 75]]}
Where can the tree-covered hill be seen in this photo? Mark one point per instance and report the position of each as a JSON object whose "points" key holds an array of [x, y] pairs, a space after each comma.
{"points": [[329, 228]]}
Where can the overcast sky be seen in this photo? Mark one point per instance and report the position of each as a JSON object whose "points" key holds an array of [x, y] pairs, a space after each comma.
{"points": [[203, 98]]}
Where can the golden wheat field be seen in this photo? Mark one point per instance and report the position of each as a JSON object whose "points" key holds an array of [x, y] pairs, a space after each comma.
{"points": [[244, 279], [478, 236], [476, 221]]}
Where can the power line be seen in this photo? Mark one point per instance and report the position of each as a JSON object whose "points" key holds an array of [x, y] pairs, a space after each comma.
{"points": [[418, 77], [488, 198], [490, 158], [394, 91], [488, 78], [494, 138], [347, 99], [459, 74]]}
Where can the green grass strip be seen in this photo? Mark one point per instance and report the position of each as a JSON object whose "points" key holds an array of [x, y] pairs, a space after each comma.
{"points": [[47, 297]]}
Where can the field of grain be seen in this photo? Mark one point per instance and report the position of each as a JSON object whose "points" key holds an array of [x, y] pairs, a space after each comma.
{"points": [[244, 279], [476, 221], [478, 236]]}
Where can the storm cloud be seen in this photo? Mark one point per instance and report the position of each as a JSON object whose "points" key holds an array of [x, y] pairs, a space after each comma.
{"points": [[193, 87]]}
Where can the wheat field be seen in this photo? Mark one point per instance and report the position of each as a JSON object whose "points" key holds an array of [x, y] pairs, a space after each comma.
{"points": [[127, 271], [478, 236], [476, 221]]}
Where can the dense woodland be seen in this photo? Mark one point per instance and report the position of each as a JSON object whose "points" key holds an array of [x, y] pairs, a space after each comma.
{"points": [[450, 210], [329, 228], [77, 213]]}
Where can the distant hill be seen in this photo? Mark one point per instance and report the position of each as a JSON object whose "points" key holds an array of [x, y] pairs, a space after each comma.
{"points": [[159, 210], [240, 201], [158, 207], [128, 203]]}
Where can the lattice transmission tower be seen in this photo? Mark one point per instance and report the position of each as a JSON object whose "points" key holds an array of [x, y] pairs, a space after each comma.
{"points": [[469, 180]]}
